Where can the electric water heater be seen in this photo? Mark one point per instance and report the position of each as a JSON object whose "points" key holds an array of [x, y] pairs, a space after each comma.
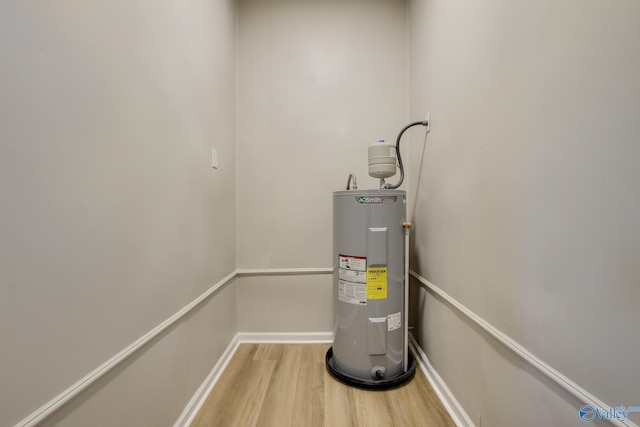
{"points": [[370, 277], [368, 289]]}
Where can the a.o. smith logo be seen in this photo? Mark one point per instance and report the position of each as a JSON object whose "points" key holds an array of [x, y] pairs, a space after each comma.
{"points": [[376, 200]]}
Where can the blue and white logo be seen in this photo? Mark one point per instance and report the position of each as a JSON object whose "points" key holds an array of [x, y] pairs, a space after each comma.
{"points": [[588, 413]]}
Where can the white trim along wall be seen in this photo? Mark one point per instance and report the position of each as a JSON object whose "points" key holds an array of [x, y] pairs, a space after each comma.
{"points": [[455, 409]]}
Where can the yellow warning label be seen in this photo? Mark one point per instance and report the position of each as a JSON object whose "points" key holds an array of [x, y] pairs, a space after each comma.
{"points": [[377, 283]]}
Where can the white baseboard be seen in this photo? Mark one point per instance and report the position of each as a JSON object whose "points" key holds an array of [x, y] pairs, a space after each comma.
{"points": [[286, 337], [449, 401], [200, 396]]}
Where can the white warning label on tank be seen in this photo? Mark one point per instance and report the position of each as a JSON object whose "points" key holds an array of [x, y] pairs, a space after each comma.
{"points": [[394, 321], [354, 263], [352, 293], [352, 279], [352, 276]]}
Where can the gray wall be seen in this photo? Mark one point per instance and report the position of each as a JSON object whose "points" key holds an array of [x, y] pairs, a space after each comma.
{"points": [[527, 206], [318, 82], [111, 217]]}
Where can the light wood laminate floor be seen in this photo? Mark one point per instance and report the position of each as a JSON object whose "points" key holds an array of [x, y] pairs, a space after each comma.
{"points": [[288, 385]]}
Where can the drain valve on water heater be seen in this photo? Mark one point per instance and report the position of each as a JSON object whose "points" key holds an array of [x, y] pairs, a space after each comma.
{"points": [[377, 372]]}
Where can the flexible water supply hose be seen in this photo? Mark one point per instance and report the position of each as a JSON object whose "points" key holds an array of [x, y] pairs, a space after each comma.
{"points": [[400, 165]]}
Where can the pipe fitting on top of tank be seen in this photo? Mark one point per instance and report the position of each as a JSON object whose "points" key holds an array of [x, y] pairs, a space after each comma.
{"points": [[352, 177]]}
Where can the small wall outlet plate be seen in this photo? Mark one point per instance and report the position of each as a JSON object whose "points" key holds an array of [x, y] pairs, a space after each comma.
{"points": [[214, 158]]}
